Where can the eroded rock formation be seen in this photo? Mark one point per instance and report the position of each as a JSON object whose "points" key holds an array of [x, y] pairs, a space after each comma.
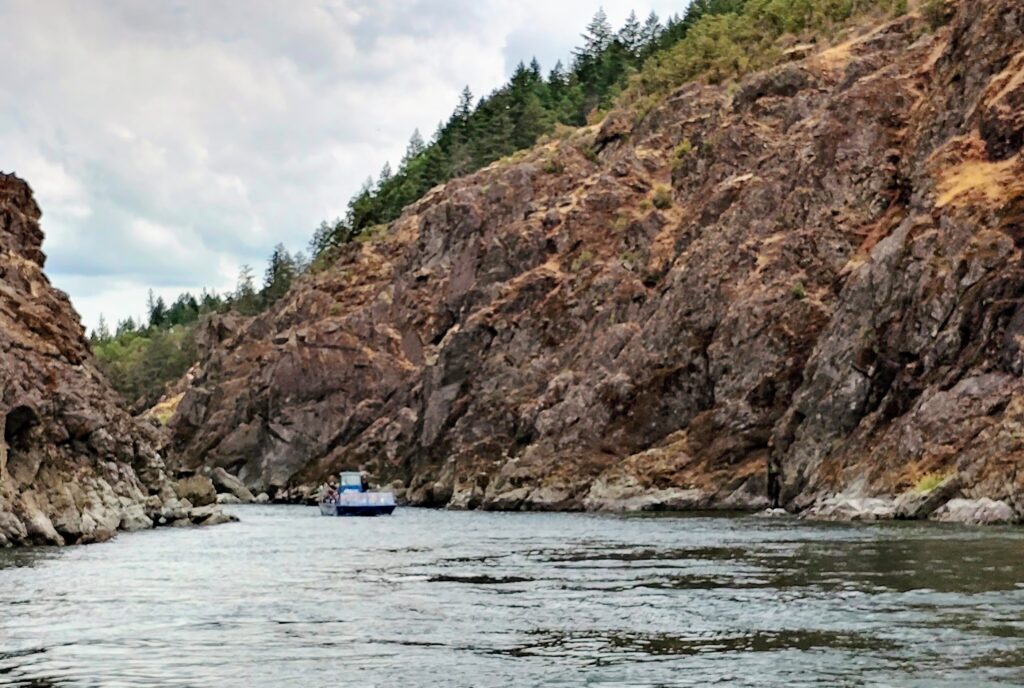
{"points": [[74, 466], [821, 267]]}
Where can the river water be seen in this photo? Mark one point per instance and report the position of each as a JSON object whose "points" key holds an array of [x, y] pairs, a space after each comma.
{"points": [[435, 598]]}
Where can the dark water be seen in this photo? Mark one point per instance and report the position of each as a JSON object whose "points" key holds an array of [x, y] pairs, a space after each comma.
{"points": [[433, 598]]}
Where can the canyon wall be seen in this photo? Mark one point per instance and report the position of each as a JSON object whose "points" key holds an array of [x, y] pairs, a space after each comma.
{"points": [[818, 268], [75, 467]]}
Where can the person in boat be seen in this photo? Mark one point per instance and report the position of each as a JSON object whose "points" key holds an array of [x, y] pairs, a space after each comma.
{"points": [[364, 484]]}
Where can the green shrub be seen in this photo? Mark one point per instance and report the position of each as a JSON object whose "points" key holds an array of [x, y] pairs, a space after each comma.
{"points": [[683, 149], [662, 198], [936, 12], [588, 152], [370, 234], [584, 259], [723, 46], [553, 166], [798, 291], [929, 482]]}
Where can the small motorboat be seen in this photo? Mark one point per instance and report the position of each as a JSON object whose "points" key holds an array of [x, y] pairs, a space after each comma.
{"points": [[353, 498]]}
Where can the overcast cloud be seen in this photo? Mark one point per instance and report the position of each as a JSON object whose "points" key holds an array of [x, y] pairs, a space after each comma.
{"points": [[170, 142]]}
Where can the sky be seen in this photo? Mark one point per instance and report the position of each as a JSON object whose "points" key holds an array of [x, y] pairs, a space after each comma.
{"points": [[170, 142]]}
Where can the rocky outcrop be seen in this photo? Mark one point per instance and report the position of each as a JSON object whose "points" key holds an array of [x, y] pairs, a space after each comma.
{"points": [[74, 466], [821, 267]]}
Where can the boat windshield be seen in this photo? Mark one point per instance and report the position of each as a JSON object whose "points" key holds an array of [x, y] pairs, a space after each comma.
{"points": [[351, 480]]}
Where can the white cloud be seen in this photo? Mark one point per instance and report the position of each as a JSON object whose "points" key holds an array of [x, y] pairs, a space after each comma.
{"points": [[170, 142]]}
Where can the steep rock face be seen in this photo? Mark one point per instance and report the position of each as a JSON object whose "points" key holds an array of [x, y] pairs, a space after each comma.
{"points": [[820, 268], [74, 466]]}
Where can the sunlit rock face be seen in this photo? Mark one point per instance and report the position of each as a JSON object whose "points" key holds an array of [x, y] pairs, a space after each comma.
{"points": [[820, 267], [75, 467]]}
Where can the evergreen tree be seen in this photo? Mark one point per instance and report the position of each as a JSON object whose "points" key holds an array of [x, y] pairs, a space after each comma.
{"points": [[279, 275], [126, 326], [535, 71], [508, 119], [102, 331], [244, 299], [157, 310], [464, 108], [597, 37], [650, 33], [414, 149], [533, 120], [631, 35]]}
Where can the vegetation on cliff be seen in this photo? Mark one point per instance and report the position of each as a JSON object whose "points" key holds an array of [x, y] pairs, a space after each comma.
{"points": [[715, 40], [516, 115], [141, 358]]}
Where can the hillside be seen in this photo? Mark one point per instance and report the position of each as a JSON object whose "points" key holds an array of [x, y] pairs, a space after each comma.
{"points": [[816, 267]]}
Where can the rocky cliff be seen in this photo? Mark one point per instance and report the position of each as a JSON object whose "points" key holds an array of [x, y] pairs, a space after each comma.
{"points": [[819, 268], [74, 466]]}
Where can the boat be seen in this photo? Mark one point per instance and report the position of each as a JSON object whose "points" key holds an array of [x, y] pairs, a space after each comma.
{"points": [[353, 498]]}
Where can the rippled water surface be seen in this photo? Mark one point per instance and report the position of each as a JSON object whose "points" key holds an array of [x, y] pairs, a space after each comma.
{"points": [[435, 598]]}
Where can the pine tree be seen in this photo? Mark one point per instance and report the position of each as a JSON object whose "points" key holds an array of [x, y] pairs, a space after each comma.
{"points": [[244, 299], [279, 275], [157, 310], [102, 332], [325, 236], [651, 32], [126, 326], [631, 35], [414, 149], [598, 35], [465, 106], [533, 120], [385, 175]]}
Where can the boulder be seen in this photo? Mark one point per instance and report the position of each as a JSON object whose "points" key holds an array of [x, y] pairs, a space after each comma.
{"points": [[210, 515], [175, 510], [914, 504], [197, 489], [133, 518], [982, 511], [217, 519], [262, 498], [628, 495], [852, 509], [228, 498], [11, 528], [225, 482]]}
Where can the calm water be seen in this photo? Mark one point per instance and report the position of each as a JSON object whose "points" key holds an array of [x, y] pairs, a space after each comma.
{"points": [[434, 598]]}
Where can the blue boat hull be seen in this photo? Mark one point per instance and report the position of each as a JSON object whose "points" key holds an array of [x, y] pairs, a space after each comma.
{"points": [[356, 510]]}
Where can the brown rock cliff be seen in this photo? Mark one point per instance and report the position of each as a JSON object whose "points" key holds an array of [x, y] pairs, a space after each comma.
{"points": [[74, 466], [821, 267]]}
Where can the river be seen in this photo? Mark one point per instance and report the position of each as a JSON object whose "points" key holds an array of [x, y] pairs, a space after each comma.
{"points": [[439, 598]]}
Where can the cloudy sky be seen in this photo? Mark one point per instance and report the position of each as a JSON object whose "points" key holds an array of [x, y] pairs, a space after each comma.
{"points": [[171, 141]]}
